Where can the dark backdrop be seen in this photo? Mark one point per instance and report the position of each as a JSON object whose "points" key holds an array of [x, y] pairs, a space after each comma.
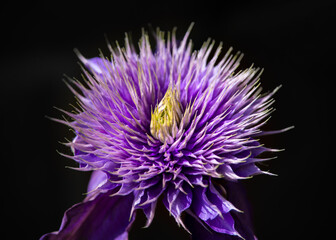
{"points": [[292, 40]]}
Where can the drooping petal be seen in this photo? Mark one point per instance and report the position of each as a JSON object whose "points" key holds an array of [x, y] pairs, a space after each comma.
{"points": [[242, 220], [233, 226], [202, 207], [223, 224], [150, 212], [101, 218], [177, 201], [214, 210], [201, 232], [219, 201]]}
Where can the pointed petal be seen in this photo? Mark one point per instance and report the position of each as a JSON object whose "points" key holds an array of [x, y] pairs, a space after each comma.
{"points": [[215, 211], [96, 65], [176, 201], [150, 212], [97, 179], [201, 205], [223, 224], [248, 170], [216, 198], [199, 232]]}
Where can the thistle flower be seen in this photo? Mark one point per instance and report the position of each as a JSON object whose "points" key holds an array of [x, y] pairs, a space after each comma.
{"points": [[166, 123]]}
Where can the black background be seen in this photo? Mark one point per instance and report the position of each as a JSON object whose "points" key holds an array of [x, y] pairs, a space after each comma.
{"points": [[292, 40]]}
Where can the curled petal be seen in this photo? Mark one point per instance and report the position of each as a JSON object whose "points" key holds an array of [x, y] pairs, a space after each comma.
{"points": [[202, 207], [177, 201], [211, 208]]}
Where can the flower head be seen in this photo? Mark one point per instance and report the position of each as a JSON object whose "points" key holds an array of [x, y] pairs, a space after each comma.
{"points": [[168, 122]]}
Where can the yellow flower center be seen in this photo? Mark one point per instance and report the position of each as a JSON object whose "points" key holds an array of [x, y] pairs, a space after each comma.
{"points": [[166, 116]]}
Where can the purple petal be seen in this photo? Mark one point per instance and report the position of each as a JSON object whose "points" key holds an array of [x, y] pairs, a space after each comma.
{"points": [[103, 217], [201, 205], [153, 193], [217, 199], [200, 232], [182, 202], [242, 221], [176, 201], [97, 179], [208, 205], [247, 170], [96, 65], [150, 212], [223, 224], [100, 182]]}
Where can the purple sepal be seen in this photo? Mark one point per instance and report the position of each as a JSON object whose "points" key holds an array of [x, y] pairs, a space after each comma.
{"points": [[209, 229], [101, 218], [210, 207], [177, 201]]}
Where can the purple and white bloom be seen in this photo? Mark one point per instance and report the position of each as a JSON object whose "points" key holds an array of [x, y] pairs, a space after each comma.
{"points": [[171, 123]]}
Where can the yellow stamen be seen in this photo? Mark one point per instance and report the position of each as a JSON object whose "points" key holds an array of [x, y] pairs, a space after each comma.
{"points": [[166, 116]]}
